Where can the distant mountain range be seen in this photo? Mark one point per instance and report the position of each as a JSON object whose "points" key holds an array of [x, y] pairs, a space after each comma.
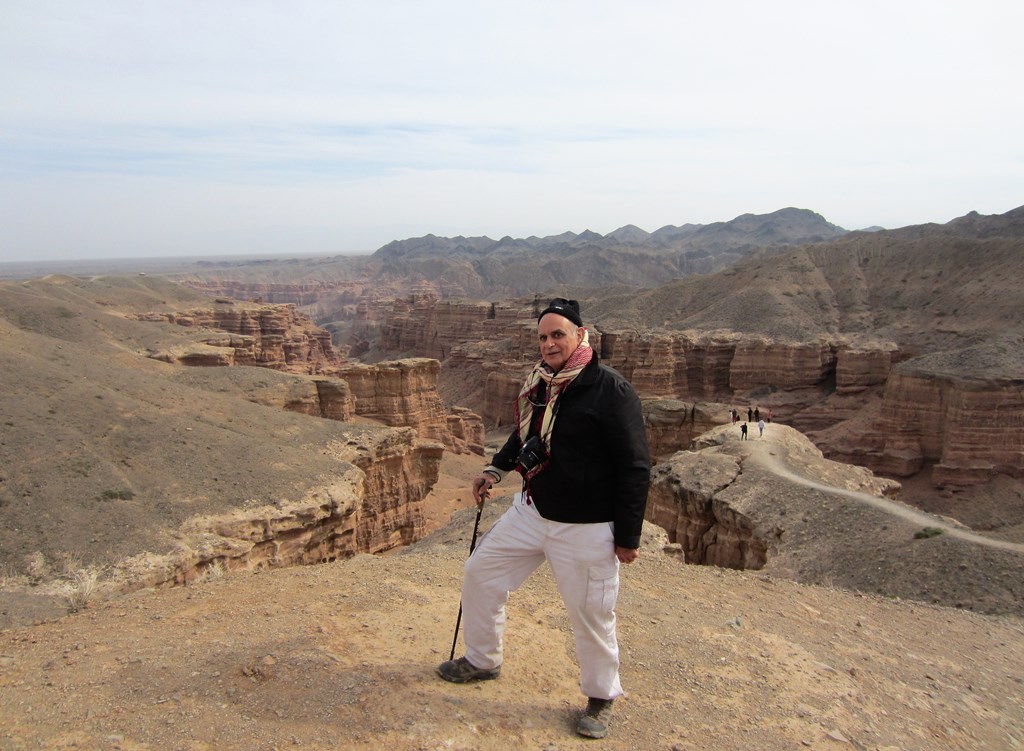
{"points": [[628, 255]]}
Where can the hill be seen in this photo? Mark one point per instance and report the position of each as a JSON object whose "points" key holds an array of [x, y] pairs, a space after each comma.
{"points": [[928, 288]]}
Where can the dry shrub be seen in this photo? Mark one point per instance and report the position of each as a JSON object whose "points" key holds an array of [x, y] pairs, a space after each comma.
{"points": [[80, 588]]}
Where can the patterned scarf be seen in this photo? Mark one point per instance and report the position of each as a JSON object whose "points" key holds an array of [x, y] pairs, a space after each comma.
{"points": [[556, 384]]}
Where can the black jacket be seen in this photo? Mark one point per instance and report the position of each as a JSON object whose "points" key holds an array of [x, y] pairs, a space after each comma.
{"points": [[600, 465]]}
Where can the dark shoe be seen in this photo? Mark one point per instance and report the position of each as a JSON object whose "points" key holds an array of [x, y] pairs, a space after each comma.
{"points": [[596, 718], [462, 671]]}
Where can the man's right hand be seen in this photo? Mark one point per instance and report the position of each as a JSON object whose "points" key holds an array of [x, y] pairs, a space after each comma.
{"points": [[482, 488]]}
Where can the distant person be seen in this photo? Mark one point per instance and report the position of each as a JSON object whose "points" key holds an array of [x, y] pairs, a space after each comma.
{"points": [[735, 415], [757, 415], [769, 415], [760, 428], [750, 415], [743, 432], [579, 442]]}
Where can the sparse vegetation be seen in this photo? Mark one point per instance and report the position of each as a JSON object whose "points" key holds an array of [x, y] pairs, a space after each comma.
{"points": [[37, 567], [214, 570], [116, 495], [927, 532], [80, 588]]}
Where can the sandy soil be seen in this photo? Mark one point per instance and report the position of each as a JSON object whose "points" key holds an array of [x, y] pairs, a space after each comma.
{"points": [[342, 655]]}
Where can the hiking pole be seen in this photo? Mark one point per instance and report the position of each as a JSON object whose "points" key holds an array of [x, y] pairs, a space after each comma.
{"points": [[472, 544]]}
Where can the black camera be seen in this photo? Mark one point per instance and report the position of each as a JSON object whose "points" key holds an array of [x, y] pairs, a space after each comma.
{"points": [[532, 453]]}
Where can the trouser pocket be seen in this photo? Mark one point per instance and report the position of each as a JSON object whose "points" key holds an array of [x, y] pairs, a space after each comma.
{"points": [[602, 586]]}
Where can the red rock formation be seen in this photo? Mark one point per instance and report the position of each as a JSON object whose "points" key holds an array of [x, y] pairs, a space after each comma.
{"points": [[291, 293], [502, 382], [374, 504], [466, 431], [860, 368], [829, 388], [404, 392], [673, 424], [273, 336], [400, 470], [787, 366], [969, 429], [683, 501], [972, 428], [984, 432], [399, 393]]}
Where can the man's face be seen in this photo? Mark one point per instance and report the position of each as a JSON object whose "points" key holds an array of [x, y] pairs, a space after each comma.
{"points": [[559, 338]]}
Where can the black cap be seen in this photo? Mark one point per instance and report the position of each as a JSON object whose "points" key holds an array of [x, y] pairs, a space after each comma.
{"points": [[568, 308]]}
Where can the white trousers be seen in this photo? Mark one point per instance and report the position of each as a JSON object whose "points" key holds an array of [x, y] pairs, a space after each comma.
{"points": [[582, 559]]}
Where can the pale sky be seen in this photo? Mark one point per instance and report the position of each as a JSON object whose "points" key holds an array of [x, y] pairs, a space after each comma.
{"points": [[143, 128]]}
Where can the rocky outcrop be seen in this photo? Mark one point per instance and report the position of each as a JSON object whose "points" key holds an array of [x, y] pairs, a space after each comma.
{"points": [[984, 432], [683, 500], [330, 398], [465, 431], [968, 429], [404, 392], [289, 293], [271, 336], [758, 504], [828, 388], [862, 368], [400, 469], [373, 505], [397, 393], [672, 424], [502, 383]]}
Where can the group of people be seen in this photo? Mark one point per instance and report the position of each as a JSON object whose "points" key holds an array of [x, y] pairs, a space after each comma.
{"points": [[753, 415], [760, 429]]}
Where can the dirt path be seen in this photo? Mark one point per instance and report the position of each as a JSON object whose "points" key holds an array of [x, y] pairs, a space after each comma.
{"points": [[760, 454]]}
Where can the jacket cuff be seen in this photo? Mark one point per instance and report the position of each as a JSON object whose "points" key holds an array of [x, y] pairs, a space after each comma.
{"points": [[633, 543], [494, 472]]}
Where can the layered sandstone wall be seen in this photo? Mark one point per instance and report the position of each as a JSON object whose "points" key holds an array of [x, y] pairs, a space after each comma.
{"points": [[397, 393], [272, 336], [970, 428], [502, 383], [859, 368], [432, 328], [294, 293], [684, 500], [404, 392], [330, 398], [984, 432], [844, 390], [672, 424], [967, 430], [373, 504], [720, 367], [787, 366]]}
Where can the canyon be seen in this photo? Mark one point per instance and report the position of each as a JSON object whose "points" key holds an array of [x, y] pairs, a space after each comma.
{"points": [[190, 429], [900, 350]]}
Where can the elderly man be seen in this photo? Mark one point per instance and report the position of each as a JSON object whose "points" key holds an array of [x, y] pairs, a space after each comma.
{"points": [[579, 443]]}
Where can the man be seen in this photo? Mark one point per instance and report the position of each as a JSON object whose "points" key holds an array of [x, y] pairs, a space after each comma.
{"points": [[578, 440]]}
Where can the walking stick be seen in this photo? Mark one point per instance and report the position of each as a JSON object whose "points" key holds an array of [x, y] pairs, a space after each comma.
{"points": [[472, 545]]}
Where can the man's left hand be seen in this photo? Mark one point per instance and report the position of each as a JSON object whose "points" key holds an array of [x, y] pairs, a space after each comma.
{"points": [[626, 555]]}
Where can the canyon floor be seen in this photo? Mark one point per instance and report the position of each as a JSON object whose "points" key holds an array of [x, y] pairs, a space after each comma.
{"points": [[342, 656]]}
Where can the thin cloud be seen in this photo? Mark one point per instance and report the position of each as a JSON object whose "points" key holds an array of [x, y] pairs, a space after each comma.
{"points": [[347, 125]]}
